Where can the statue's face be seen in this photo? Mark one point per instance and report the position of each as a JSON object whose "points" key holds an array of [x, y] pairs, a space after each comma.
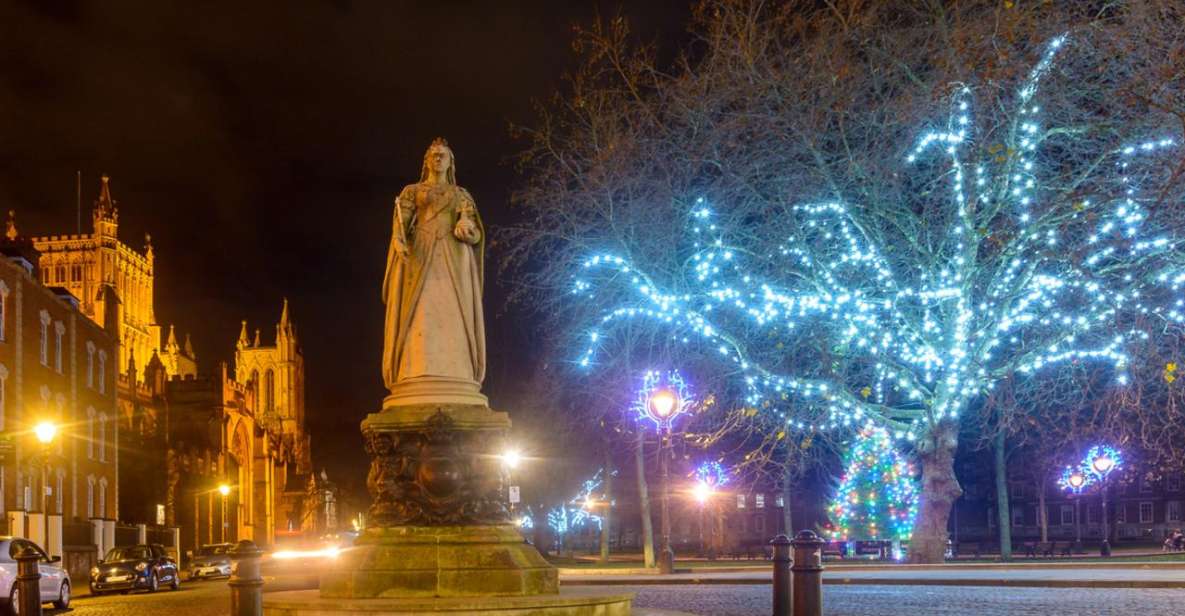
{"points": [[439, 159]]}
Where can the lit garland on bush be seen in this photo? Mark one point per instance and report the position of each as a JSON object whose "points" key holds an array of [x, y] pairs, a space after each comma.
{"points": [[1018, 274], [877, 498]]}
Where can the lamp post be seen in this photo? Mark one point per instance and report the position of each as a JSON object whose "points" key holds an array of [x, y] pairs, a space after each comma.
{"points": [[45, 432], [1075, 481], [664, 397], [224, 491], [511, 459], [1100, 461], [708, 477]]}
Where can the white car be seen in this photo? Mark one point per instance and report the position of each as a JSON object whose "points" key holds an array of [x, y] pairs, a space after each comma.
{"points": [[55, 580]]}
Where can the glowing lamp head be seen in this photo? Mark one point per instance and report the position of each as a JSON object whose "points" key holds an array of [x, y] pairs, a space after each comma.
{"points": [[1076, 480], [224, 489], [45, 431], [512, 458], [663, 404], [702, 492], [1103, 464]]}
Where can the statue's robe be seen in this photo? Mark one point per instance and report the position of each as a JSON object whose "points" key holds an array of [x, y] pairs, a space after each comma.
{"points": [[434, 322]]}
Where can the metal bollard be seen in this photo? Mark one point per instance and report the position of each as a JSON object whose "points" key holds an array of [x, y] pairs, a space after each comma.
{"points": [[808, 574], [246, 583], [28, 581], [782, 561]]}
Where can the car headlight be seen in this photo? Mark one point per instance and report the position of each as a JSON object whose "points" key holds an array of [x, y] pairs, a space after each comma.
{"points": [[94, 571], [141, 566]]}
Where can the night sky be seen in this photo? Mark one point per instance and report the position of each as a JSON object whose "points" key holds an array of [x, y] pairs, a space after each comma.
{"points": [[261, 144]]}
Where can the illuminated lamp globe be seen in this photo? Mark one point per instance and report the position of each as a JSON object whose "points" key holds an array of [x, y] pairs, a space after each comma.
{"points": [[1076, 480], [663, 404], [224, 489], [45, 431], [702, 492], [512, 459], [1103, 464]]}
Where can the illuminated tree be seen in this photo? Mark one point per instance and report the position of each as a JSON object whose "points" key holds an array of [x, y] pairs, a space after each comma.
{"points": [[870, 212], [877, 497]]}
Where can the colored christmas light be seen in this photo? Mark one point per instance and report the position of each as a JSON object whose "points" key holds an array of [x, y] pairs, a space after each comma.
{"points": [[877, 498]]}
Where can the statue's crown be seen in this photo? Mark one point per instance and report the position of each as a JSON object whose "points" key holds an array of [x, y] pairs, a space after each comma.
{"points": [[439, 141]]}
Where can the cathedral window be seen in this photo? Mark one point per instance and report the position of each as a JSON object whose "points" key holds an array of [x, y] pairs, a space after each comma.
{"points": [[59, 330], [269, 390], [61, 273], [75, 273], [44, 338], [90, 364], [102, 376], [103, 498]]}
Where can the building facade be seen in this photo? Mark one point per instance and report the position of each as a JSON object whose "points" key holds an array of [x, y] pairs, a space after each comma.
{"points": [[92, 265], [57, 367]]}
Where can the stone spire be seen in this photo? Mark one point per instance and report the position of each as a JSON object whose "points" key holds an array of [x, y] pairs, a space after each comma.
{"points": [[106, 215], [189, 347], [243, 341], [284, 329], [171, 346], [256, 345]]}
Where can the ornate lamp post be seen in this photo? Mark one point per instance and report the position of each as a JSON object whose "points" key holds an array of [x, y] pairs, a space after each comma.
{"points": [[224, 491], [663, 398], [1075, 481], [1100, 461], [45, 432]]}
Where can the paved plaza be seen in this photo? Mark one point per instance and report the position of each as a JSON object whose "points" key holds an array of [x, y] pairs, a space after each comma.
{"points": [[733, 599]]}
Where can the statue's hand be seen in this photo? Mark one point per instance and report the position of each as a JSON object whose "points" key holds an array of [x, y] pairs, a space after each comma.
{"points": [[467, 231]]}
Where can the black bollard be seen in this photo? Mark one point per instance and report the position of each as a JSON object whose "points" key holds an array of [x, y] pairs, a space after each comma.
{"points": [[246, 583], [781, 560], [808, 574], [28, 582]]}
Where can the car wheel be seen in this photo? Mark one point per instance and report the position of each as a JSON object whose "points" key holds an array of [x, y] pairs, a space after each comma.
{"points": [[176, 585], [63, 601], [153, 583]]}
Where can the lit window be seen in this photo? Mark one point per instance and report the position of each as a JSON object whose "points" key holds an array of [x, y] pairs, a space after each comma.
{"points": [[103, 498], [740, 501], [780, 500], [759, 501], [44, 338], [90, 364], [59, 331], [90, 496], [1145, 513], [102, 376]]}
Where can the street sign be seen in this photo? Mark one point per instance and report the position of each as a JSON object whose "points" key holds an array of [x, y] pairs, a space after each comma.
{"points": [[514, 497]]}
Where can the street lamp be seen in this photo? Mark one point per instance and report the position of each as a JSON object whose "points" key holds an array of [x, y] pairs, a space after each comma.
{"points": [[708, 477], [224, 490], [511, 459], [1075, 481], [1100, 461], [45, 431], [663, 398]]}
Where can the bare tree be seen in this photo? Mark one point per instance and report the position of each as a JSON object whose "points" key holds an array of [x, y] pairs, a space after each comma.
{"points": [[873, 211]]}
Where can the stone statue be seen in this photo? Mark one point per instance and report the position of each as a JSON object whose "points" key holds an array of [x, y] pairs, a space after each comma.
{"points": [[434, 336]]}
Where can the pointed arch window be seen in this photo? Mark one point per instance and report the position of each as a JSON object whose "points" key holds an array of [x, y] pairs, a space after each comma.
{"points": [[59, 330], [44, 348], [90, 364], [90, 497], [102, 437], [103, 498], [269, 390], [90, 440], [102, 376]]}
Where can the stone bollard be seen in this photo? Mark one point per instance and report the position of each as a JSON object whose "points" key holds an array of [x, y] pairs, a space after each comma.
{"points": [[781, 560], [246, 583], [28, 582], [808, 574]]}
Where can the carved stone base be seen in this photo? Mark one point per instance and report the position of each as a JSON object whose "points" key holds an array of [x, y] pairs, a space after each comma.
{"points": [[435, 390], [444, 561]]}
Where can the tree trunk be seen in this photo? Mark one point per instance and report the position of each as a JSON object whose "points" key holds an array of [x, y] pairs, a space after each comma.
{"points": [[644, 500], [606, 518], [1003, 513], [787, 492], [1042, 511], [940, 488]]}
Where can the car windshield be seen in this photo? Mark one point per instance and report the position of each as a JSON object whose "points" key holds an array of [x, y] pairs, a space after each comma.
{"points": [[133, 553], [213, 550]]}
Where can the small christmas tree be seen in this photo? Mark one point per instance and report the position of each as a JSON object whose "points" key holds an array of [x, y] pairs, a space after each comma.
{"points": [[878, 494]]}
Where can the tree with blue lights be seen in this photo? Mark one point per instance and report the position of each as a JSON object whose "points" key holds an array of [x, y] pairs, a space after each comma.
{"points": [[866, 212]]}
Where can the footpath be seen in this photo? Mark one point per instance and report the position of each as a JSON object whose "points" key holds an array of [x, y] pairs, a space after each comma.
{"points": [[1041, 575]]}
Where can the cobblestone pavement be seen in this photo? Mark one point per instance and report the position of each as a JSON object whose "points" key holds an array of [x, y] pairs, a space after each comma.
{"points": [[207, 598], [723, 600], [1026, 573]]}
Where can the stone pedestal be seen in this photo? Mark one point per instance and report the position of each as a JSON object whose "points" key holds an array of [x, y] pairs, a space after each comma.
{"points": [[582, 601]]}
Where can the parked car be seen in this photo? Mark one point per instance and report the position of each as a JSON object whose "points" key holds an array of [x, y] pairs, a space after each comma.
{"points": [[211, 561], [55, 580], [132, 567]]}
